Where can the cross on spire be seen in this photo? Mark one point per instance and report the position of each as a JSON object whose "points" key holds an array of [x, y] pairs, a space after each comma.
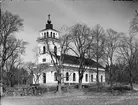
{"points": [[49, 17]]}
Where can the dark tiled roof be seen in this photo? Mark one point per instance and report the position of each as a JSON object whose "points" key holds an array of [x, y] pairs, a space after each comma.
{"points": [[49, 29], [69, 59]]}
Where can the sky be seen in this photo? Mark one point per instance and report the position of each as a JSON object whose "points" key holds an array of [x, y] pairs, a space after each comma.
{"points": [[108, 13]]}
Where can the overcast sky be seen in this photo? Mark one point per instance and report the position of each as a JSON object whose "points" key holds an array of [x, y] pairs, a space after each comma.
{"points": [[108, 13]]}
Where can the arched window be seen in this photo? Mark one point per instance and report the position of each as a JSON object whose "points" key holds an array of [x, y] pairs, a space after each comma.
{"points": [[74, 77], [47, 35], [86, 77], [55, 49], [67, 76], [101, 78], [44, 49], [51, 34], [44, 35], [91, 78], [44, 77], [55, 76]]}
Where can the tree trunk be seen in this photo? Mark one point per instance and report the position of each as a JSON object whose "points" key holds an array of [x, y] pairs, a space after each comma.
{"points": [[80, 81], [59, 86], [97, 81], [1, 78], [131, 80], [59, 80], [97, 78], [111, 81]]}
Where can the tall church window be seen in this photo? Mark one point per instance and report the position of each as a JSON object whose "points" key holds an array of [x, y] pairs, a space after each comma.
{"points": [[47, 35], [44, 77], [55, 76], [74, 77], [55, 49], [91, 78], [51, 34], [44, 35], [86, 77], [67, 76], [101, 78], [44, 48]]}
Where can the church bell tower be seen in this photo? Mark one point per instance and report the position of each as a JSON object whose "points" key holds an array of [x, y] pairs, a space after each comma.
{"points": [[52, 36]]}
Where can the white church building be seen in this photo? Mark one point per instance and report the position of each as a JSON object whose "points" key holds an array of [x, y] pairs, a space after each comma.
{"points": [[71, 64]]}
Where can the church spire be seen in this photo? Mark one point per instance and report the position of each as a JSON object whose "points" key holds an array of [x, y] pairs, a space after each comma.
{"points": [[49, 25], [49, 21]]}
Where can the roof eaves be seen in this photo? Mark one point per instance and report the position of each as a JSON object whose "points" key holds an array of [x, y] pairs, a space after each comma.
{"points": [[48, 29]]}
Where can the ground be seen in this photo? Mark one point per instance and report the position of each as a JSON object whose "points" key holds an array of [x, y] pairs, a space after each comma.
{"points": [[73, 99]]}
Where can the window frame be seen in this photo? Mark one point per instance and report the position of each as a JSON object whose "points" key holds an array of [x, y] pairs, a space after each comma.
{"points": [[86, 77], [44, 34], [51, 34], [74, 76], [55, 76], [44, 77], [44, 49], [67, 76], [55, 49], [44, 60], [101, 78], [91, 77], [47, 34]]}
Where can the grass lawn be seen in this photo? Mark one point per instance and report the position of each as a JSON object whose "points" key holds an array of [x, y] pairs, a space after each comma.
{"points": [[74, 97], [78, 99]]}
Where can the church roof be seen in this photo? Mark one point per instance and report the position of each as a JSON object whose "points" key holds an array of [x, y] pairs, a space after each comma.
{"points": [[49, 29], [69, 59], [49, 26]]}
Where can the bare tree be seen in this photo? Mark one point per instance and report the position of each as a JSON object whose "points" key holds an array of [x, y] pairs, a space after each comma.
{"points": [[126, 52], [36, 53], [14, 62], [36, 70], [111, 45], [135, 64], [99, 34], [81, 40], [10, 24], [15, 58], [134, 24]]}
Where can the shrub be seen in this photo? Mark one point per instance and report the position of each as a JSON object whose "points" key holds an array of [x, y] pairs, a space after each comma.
{"points": [[52, 88], [121, 88]]}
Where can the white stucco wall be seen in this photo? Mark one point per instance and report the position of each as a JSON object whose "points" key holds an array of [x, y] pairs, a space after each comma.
{"points": [[46, 56], [50, 77]]}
